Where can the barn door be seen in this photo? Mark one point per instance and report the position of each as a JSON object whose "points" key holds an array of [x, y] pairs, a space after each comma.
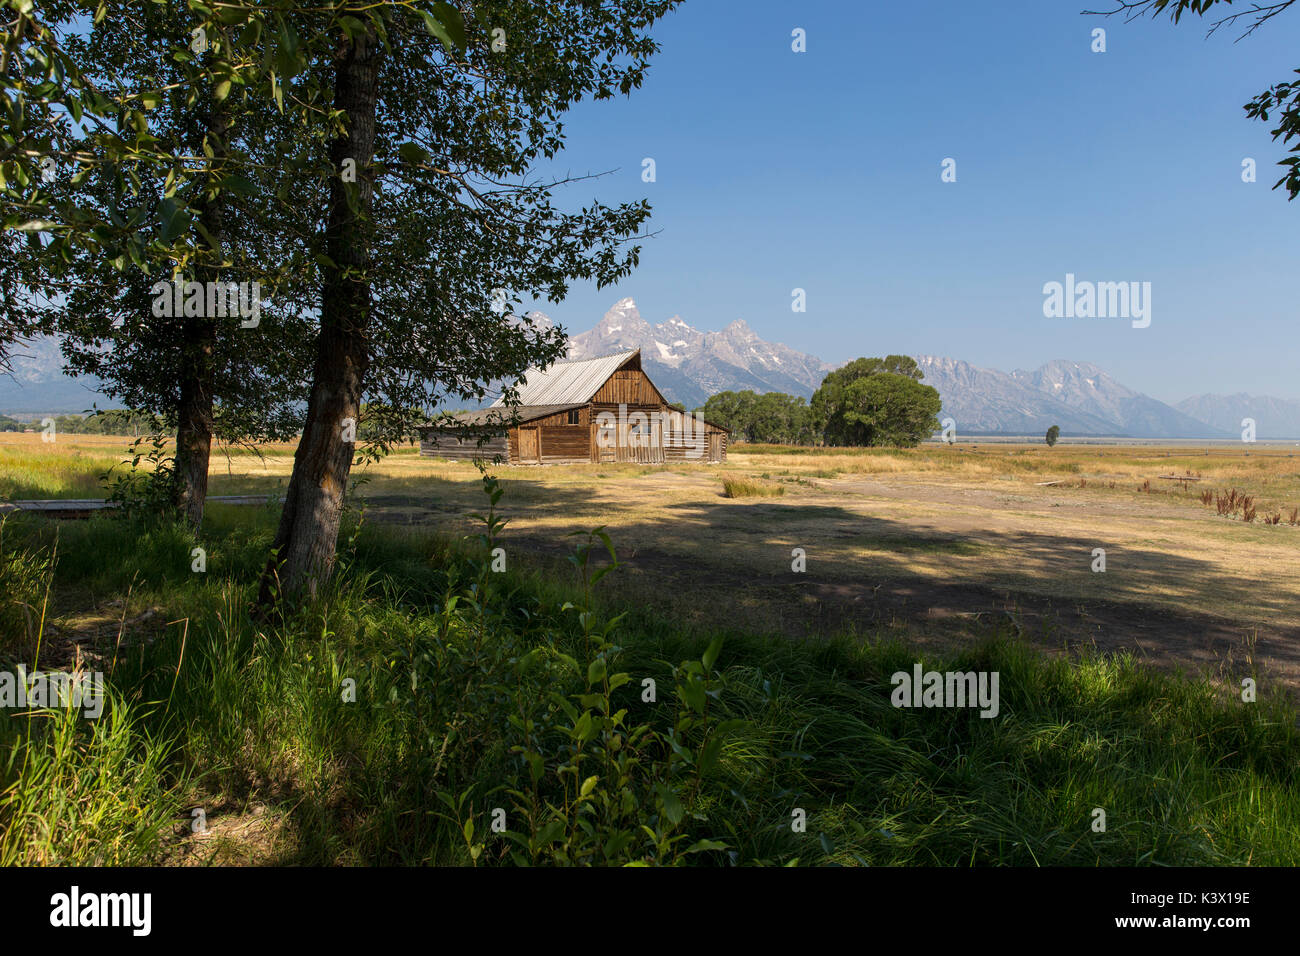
{"points": [[715, 446], [529, 446]]}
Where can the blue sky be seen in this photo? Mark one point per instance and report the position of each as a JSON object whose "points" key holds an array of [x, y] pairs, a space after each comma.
{"points": [[821, 170]]}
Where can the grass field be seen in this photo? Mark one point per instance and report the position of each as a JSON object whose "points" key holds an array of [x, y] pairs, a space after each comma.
{"points": [[1120, 690]]}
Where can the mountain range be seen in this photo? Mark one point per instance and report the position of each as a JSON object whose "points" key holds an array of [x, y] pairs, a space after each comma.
{"points": [[1273, 417], [689, 365], [36, 385], [1078, 396]]}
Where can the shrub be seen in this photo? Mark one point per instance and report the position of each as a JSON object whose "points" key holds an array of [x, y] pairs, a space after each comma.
{"points": [[744, 488]]}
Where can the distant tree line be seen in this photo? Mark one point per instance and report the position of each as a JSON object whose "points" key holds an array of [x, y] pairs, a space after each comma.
{"points": [[870, 402], [772, 417], [118, 421]]}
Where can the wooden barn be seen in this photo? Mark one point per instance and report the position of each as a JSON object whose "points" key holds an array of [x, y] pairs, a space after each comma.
{"points": [[592, 410]]}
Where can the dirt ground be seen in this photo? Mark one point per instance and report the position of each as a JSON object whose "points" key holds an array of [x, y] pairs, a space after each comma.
{"points": [[938, 544], [938, 557]]}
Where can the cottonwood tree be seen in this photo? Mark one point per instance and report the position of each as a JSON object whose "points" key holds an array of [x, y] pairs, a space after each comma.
{"points": [[133, 116], [1282, 99], [874, 401], [769, 417], [210, 198], [435, 226]]}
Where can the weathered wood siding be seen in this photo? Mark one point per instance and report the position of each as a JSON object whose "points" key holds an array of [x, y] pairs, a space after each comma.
{"points": [[444, 445], [565, 443], [629, 387], [687, 439], [562, 418], [521, 444]]}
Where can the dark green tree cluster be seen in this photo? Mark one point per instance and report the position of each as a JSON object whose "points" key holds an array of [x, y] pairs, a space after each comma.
{"points": [[773, 417], [876, 402], [116, 421], [869, 402]]}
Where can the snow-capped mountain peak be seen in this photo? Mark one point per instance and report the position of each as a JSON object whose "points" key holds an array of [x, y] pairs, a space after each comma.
{"points": [[689, 365]]}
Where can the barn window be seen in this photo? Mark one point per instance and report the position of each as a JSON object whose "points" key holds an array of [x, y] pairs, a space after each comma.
{"points": [[574, 416]]}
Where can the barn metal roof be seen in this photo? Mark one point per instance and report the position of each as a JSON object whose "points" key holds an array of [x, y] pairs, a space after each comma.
{"points": [[569, 383], [495, 414]]}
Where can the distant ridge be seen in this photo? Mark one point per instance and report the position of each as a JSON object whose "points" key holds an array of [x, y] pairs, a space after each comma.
{"points": [[1078, 396], [1273, 417]]}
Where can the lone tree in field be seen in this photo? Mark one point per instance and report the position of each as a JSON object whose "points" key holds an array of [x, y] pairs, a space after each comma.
{"points": [[1053, 434], [1284, 98], [435, 224], [876, 402]]}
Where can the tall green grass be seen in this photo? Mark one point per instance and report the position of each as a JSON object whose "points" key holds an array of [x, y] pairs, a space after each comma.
{"points": [[470, 688], [40, 474]]}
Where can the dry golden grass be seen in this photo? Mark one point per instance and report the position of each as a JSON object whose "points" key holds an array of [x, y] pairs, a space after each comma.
{"points": [[745, 488], [963, 515]]}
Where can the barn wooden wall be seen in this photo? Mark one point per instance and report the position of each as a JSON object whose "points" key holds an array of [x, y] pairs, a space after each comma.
{"points": [[443, 445], [562, 443], [559, 444], [629, 387]]}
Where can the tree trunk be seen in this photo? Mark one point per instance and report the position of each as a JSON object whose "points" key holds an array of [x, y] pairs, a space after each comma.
{"points": [[194, 413], [194, 420], [302, 557]]}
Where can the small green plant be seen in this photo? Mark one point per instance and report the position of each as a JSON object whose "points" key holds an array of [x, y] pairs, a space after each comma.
{"points": [[585, 782], [143, 491], [25, 574]]}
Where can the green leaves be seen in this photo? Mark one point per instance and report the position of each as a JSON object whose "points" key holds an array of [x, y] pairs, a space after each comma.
{"points": [[711, 653], [251, 35], [413, 153], [691, 691], [877, 402], [241, 185], [175, 220], [445, 23], [671, 802]]}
